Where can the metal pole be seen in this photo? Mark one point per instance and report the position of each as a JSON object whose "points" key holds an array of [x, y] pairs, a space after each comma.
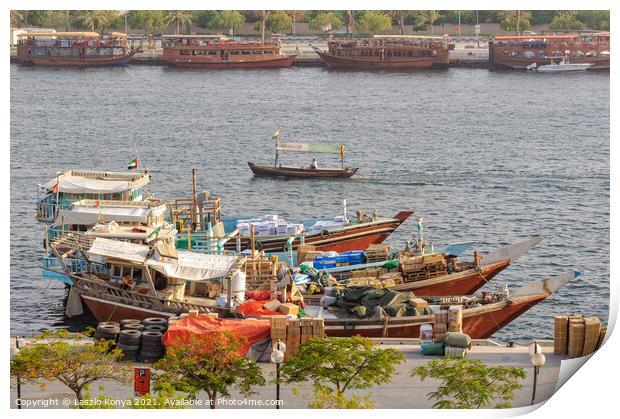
{"points": [[535, 374], [125, 21], [277, 385], [19, 383]]}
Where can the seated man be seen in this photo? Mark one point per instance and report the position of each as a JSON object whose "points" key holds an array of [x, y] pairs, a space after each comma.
{"points": [[314, 164]]}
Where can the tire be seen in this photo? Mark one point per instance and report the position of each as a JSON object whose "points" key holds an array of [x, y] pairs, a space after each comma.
{"points": [[130, 334], [156, 328], [133, 326], [130, 321], [103, 324], [154, 320], [129, 348]]}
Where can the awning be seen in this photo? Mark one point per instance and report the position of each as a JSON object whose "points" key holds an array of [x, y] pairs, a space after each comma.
{"points": [[91, 215], [118, 250], [194, 266], [83, 185]]}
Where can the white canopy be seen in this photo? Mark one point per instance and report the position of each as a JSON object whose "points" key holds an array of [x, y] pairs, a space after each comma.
{"points": [[189, 266], [194, 266], [90, 215], [118, 250], [80, 185]]}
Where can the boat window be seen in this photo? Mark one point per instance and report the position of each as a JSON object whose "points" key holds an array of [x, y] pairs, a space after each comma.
{"points": [[185, 52], [117, 271], [92, 51], [257, 52], [246, 52], [604, 54], [268, 52], [591, 54], [578, 54], [557, 53], [39, 51], [212, 53], [199, 52], [529, 54], [234, 52], [105, 51], [119, 51]]}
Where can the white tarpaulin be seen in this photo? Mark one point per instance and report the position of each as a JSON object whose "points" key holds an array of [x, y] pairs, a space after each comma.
{"points": [[512, 252], [119, 250], [194, 266], [80, 185], [91, 215]]}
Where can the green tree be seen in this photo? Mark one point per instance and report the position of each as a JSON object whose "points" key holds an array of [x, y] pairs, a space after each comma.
{"points": [[209, 363], [203, 18], [164, 398], [146, 20], [427, 18], [19, 17], [335, 365], [227, 19], [469, 383], [468, 17], [278, 21], [566, 21], [69, 359], [325, 19], [96, 20], [541, 16], [178, 18], [594, 19], [514, 20], [374, 21]]}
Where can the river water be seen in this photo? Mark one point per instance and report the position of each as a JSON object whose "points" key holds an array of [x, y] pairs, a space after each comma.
{"points": [[488, 157]]}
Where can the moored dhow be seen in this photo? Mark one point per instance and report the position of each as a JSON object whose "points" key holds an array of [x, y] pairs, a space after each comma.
{"points": [[519, 52], [60, 192], [217, 51], [74, 49], [386, 52]]}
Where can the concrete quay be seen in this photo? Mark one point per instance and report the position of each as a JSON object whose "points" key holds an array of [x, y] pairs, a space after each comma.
{"points": [[403, 391]]}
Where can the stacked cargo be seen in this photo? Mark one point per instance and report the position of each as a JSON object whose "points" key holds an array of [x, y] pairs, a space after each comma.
{"points": [[327, 260], [139, 340], [295, 332], [261, 272], [378, 253], [418, 268], [577, 336], [269, 225]]}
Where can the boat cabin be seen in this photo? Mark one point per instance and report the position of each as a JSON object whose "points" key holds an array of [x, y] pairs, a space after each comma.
{"points": [[68, 187]]}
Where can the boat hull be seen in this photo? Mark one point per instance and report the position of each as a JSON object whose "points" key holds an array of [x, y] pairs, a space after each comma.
{"points": [[282, 62], [294, 172], [460, 283], [343, 63], [521, 63], [111, 311], [50, 61], [478, 323], [355, 237]]}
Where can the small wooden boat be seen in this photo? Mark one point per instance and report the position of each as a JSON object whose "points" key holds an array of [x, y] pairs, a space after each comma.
{"points": [[301, 172], [479, 322], [310, 172]]}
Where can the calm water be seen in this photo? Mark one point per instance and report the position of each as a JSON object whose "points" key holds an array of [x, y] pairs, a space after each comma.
{"points": [[488, 157]]}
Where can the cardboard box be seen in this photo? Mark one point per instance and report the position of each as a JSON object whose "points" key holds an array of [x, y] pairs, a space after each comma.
{"points": [[303, 250], [418, 303], [289, 308], [272, 305], [278, 328]]}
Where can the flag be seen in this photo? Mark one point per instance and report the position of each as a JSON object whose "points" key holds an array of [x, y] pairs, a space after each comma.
{"points": [[132, 164], [277, 133], [56, 186]]}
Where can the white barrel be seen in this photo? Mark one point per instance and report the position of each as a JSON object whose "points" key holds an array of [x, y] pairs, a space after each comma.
{"points": [[238, 286]]}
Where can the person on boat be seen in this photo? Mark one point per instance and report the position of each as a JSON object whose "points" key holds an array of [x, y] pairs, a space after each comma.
{"points": [[314, 164], [127, 283]]}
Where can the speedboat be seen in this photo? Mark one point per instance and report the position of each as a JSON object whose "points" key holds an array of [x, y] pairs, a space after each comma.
{"points": [[563, 65]]}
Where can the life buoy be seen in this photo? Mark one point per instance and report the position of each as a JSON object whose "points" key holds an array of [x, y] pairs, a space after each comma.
{"points": [[325, 234]]}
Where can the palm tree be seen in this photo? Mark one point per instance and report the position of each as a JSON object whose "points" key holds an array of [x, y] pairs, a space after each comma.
{"points": [[178, 18], [19, 16], [93, 20], [427, 17], [228, 19], [349, 22], [263, 18]]}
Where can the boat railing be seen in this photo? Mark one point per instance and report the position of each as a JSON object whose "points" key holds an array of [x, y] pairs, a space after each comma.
{"points": [[65, 43], [102, 290]]}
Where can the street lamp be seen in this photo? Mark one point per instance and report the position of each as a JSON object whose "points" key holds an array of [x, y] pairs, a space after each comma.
{"points": [[277, 357], [538, 360]]}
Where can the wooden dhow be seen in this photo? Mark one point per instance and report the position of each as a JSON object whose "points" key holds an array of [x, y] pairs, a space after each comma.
{"points": [[73, 49], [386, 52]]}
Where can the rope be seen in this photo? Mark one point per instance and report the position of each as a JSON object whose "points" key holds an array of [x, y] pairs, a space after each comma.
{"points": [[111, 313]]}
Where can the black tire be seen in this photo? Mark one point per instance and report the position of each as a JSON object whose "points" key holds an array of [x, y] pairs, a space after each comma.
{"points": [[103, 324], [151, 334], [130, 334], [130, 342], [130, 321], [133, 326], [156, 327], [129, 348], [154, 320]]}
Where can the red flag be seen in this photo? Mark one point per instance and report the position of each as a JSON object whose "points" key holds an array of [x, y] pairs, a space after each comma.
{"points": [[56, 186]]}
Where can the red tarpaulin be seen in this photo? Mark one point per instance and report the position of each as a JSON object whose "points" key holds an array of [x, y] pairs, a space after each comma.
{"points": [[255, 308], [252, 330]]}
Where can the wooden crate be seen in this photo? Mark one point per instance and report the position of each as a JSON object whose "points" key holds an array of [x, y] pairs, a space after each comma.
{"points": [[378, 252], [260, 273], [560, 335]]}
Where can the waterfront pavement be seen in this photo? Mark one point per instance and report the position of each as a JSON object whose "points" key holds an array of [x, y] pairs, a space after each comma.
{"points": [[403, 391]]}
